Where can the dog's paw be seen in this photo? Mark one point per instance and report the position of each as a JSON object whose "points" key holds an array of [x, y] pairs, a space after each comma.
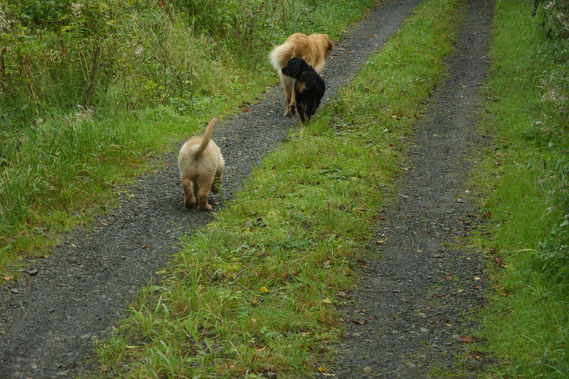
{"points": [[207, 207], [190, 203]]}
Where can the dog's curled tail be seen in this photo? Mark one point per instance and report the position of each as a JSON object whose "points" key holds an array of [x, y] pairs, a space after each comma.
{"points": [[280, 55], [206, 137]]}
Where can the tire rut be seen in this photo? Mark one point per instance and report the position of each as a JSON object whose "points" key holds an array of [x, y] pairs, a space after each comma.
{"points": [[48, 321], [419, 285]]}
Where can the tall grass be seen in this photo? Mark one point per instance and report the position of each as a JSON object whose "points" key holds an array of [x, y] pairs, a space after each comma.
{"points": [[89, 89], [527, 324], [254, 293]]}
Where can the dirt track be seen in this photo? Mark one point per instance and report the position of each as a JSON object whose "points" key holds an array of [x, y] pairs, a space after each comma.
{"points": [[47, 321], [419, 285]]}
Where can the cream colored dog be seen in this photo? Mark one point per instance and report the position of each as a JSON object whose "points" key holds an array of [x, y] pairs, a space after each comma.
{"points": [[200, 163], [314, 49]]}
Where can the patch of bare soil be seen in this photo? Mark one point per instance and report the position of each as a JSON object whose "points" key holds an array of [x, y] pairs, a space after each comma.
{"points": [[49, 319], [408, 317]]}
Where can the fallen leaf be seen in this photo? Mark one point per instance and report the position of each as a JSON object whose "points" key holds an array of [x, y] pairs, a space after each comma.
{"points": [[475, 355], [363, 321], [467, 339], [500, 262]]}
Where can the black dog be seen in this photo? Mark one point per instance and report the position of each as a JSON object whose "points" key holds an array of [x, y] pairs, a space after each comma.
{"points": [[309, 87]]}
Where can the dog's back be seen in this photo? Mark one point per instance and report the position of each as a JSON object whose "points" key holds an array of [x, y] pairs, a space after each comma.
{"points": [[194, 148], [313, 49]]}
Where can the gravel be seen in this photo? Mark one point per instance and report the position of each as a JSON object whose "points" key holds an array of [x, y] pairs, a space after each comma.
{"points": [[419, 285], [48, 318]]}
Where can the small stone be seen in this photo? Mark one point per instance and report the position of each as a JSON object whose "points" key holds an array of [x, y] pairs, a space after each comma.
{"points": [[32, 271]]}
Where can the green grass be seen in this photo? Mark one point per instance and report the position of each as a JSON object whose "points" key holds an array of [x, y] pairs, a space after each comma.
{"points": [[256, 290], [524, 177], [66, 165]]}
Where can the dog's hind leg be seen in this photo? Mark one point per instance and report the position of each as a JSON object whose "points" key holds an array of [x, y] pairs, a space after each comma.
{"points": [[288, 84], [302, 111], [188, 186], [292, 104], [203, 193]]}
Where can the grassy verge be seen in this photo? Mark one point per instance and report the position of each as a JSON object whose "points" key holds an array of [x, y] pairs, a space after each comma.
{"points": [[255, 292], [64, 166], [525, 176]]}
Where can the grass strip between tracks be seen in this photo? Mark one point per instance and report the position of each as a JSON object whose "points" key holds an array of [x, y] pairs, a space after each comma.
{"points": [[256, 291]]}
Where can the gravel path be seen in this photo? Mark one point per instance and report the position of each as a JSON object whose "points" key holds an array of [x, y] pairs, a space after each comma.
{"points": [[408, 313], [48, 320]]}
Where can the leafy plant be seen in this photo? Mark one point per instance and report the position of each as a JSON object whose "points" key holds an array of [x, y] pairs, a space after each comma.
{"points": [[555, 14]]}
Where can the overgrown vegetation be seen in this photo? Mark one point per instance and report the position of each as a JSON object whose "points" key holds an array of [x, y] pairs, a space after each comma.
{"points": [[527, 176], [554, 15], [90, 88], [254, 293]]}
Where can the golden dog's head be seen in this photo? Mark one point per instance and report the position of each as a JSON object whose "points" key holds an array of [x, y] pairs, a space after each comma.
{"points": [[322, 42]]}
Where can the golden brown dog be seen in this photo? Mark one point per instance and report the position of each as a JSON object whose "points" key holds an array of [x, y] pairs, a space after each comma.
{"points": [[313, 49], [200, 163]]}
